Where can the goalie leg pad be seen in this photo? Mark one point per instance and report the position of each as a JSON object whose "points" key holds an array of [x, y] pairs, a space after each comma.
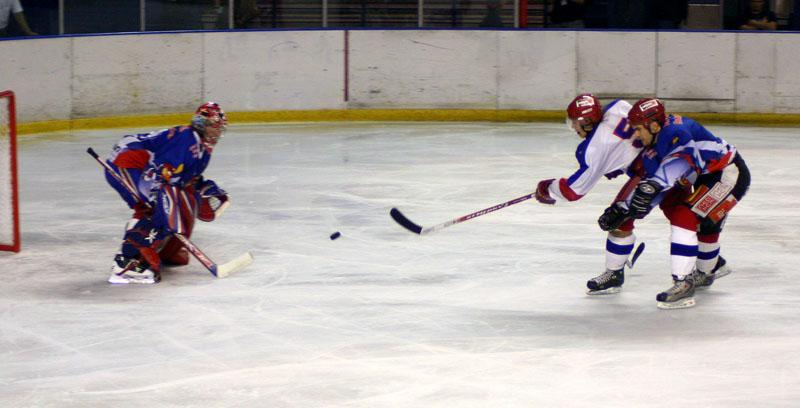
{"points": [[141, 241], [175, 209], [174, 254]]}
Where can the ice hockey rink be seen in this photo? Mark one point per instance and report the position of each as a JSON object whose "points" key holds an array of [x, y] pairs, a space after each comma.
{"points": [[490, 312]]}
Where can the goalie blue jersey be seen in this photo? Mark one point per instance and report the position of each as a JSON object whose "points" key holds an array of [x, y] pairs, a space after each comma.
{"points": [[146, 161], [174, 156]]}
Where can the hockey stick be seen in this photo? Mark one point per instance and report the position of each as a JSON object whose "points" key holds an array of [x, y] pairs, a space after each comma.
{"points": [[220, 271], [417, 229], [632, 261]]}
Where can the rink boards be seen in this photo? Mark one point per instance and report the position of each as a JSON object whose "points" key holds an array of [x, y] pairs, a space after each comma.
{"points": [[260, 71]]}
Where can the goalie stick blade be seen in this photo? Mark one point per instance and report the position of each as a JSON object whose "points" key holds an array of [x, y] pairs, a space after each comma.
{"points": [[237, 264], [405, 222]]}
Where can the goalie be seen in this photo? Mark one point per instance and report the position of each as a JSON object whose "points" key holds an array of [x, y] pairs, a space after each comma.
{"points": [[166, 169]]}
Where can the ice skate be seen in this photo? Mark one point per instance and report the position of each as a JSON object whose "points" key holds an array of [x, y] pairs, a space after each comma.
{"points": [[607, 283], [703, 280], [679, 296], [126, 270]]}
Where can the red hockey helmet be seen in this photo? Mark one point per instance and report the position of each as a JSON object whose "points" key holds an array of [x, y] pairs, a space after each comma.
{"points": [[647, 110], [210, 120], [585, 109], [211, 115]]}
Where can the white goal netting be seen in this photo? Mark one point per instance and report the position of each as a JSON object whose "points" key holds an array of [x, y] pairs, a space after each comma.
{"points": [[9, 213]]}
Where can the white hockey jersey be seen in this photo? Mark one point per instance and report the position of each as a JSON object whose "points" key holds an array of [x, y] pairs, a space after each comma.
{"points": [[607, 151]]}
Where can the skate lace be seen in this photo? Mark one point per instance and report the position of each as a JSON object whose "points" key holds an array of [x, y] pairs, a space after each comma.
{"points": [[604, 278], [678, 287]]}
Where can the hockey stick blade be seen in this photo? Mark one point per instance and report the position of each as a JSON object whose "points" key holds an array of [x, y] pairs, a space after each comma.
{"points": [[404, 222], [237, 264], [635, 256]]}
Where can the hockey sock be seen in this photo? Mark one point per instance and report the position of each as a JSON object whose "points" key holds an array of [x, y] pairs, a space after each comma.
{"points": [[708, 252], [617, 251], [683, 251]]}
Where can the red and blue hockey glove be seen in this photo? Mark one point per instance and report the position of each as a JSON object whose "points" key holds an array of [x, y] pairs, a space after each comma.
{"points": [[543, 192], [213, 201]]}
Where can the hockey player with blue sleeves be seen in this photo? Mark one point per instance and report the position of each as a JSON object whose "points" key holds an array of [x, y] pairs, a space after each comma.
{"points": [[166, 169], [696, 178]]}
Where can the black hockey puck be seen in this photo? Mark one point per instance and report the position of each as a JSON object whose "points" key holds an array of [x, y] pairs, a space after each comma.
{"points": [[335, 235]]}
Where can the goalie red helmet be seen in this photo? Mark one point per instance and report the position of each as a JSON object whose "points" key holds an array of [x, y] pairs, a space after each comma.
{"points": [[647, 110], [585, 109], [210, 121]]}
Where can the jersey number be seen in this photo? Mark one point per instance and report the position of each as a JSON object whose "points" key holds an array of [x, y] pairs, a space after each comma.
{"points": [[623, 131]]}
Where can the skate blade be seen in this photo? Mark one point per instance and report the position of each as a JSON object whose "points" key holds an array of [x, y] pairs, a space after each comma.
{"points": [[679, 304], [724, 271], [609, 291]]}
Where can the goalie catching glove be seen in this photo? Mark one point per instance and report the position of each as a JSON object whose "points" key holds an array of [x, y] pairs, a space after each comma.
{"points": [[213, 200]]}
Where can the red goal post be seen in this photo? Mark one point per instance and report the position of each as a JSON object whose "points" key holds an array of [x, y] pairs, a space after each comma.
{"points": [[9, 197]]}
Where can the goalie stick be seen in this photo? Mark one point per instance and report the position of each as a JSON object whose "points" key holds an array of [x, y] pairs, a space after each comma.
{"points": [[219, 271], [419, 230]]}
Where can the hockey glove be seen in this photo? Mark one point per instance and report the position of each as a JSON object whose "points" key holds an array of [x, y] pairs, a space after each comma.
{"points": [[613, 217], [642, 197], [212, 201], [543, 192]]}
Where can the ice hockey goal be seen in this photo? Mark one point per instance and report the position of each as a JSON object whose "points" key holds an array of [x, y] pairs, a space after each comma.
{"points": [[9, 201]]}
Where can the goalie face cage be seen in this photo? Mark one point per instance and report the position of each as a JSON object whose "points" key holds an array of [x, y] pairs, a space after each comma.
{"points": [[9, 205]]}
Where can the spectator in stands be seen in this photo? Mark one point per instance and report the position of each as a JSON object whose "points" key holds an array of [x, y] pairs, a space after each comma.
{"points": [[7, 8], [568, 13], [492, 18], [758, 17]]}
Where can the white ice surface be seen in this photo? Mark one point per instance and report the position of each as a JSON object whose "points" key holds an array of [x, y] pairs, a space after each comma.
{"points": [[491, 312]]}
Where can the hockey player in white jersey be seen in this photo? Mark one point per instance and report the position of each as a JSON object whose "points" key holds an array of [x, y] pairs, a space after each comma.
{"points": [[607, 150]]}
